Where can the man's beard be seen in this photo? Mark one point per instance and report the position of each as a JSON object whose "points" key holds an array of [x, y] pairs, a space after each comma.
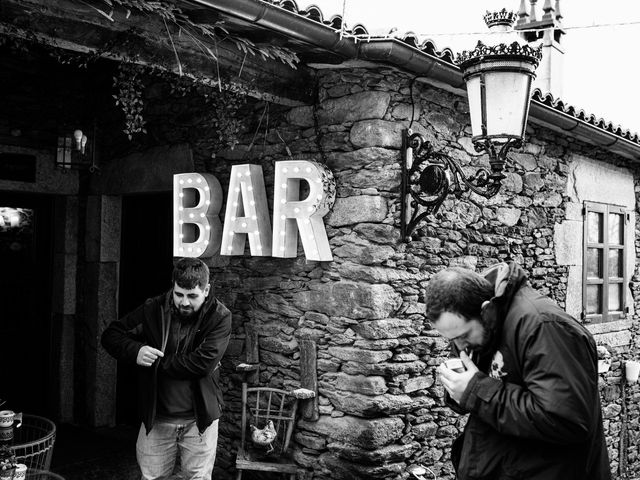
{"points": [[188, 313], [486, 344], [485, 351]]}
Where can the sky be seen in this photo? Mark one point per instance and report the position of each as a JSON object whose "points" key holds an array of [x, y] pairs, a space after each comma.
{"points": [[600, 63]]}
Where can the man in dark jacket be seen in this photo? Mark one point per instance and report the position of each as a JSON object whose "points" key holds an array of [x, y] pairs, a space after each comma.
{"points": [[530, 384], [177, 341]]}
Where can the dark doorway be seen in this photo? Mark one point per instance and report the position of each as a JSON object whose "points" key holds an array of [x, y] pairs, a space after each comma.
{"points": [[25, 297], [146, 263]]}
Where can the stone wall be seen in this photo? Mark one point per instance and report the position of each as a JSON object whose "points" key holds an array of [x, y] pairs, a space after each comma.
{"points": [[380, 408]]}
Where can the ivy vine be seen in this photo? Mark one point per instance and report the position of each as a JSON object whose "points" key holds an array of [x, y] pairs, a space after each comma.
{"points": [[195, 31], [223, 100], [223, 120], [221, 103], [129, 91], [225, 116]]}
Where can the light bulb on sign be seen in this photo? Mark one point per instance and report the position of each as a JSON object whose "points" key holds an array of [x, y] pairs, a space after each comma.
{"points": [[197, 205], [292, 212], [247, 190]]}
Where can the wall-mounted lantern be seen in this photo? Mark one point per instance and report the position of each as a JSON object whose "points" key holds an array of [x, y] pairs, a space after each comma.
{"points": [[74, 151], [499, 80]]}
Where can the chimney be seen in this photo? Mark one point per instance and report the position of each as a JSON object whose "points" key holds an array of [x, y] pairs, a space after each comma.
{"points": [[548, 33]]}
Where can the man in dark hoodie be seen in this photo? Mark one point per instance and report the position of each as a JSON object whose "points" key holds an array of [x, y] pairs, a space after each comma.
{"points": [[530, 381], [176, 342]]}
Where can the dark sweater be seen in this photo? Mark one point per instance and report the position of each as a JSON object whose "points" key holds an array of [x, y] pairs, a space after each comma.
{"points": [[175, 396]]}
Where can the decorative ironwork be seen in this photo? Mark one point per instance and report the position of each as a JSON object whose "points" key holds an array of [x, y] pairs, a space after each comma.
{"points": [[502, 17], [499, 80], [482, 51], [429, 176]]}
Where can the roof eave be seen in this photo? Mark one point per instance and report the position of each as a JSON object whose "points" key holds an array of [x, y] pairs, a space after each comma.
{"points": [[396, 53], [544, 115], [278, 19]]}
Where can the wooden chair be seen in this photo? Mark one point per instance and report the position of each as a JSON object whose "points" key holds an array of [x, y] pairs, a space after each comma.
{"points": [[265, 446]]}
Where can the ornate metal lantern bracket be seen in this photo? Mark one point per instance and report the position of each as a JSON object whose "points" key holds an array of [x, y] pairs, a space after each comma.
{"points": [[429, 176], [499, 80]]}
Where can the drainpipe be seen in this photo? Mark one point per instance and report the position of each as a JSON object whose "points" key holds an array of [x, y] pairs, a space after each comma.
{"points": [[397, 53], [624, 431], [391, 51], [563, 123]]}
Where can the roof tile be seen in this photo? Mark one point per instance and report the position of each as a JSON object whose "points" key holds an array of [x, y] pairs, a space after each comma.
{"points": [[315, 14]]}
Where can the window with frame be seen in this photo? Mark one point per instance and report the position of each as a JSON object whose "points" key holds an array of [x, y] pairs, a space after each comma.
{"points": [[604, 274]]}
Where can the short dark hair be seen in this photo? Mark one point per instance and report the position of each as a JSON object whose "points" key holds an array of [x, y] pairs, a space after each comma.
{"points": [[457, 290], [190, 272]]}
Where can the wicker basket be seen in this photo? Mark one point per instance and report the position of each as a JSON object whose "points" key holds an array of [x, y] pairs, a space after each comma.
{"points": [[33, 442]]}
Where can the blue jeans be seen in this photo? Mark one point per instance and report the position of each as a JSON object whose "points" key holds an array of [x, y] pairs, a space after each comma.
{"points": [[157, 452]]}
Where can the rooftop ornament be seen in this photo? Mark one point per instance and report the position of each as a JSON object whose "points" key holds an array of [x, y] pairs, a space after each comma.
{"points": [[499, 80]]}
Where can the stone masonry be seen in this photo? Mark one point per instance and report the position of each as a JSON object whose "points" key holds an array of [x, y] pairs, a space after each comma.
{"points": [[380, 407]]}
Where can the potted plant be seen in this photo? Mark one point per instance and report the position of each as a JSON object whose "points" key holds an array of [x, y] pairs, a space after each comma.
{"points": [[8, 463]]}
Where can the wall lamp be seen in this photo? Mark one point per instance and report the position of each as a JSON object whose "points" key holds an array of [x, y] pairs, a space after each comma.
{"points": [[499, 80], [75, 152]]}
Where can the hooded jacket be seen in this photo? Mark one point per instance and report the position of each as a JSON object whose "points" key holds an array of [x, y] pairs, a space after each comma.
{"points": [[150, 324], [534, 405]]}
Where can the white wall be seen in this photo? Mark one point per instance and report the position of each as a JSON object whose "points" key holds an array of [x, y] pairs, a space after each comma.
{"points": [[593, 181]]}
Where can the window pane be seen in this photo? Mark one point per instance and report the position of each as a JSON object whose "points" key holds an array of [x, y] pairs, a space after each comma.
{"points": [[594, 299], [594, 263], [616, 229], [594, 221], [615, 297], [615, 262]]}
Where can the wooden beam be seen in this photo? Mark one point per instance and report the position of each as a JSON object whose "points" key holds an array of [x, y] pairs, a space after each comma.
{"points": [[251, 343], [77, 27], [252, 351], [309, 377]]}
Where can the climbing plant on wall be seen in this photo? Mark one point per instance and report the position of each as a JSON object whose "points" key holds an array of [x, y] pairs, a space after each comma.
{"points": [[221, 120], [224, 104], [199, 33], [141, 57], [129, 87]]}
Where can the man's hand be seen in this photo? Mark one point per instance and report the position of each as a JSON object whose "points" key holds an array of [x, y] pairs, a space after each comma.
{"points": [[147, 355], [456, 383]]}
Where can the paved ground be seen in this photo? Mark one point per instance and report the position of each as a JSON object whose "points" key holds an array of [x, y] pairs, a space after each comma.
{"points": [[95, 454]]}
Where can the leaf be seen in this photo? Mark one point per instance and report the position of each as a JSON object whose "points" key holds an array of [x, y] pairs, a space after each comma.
{"points": [[108, 16], [211, 53]]}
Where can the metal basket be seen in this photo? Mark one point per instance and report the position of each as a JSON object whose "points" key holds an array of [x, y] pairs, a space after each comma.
{"points": [[33, 442]]}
